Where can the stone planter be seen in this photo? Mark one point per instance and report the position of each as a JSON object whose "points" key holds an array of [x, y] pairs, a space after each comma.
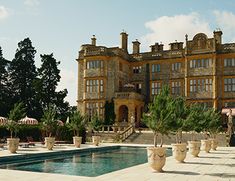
{"points": [[206, 145], [49, 142], [194, 147], [156, 158], [77, 141], [179, 151], [214, 144], [13, 144], [96, 140]]}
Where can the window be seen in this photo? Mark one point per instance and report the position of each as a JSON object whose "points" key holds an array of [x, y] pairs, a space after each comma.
{"points": [[201, 85], [138, 87], [137, 70], [94, 64], [229, 104], [200, 63], [156, 68], [94, 86], [229, 62], [176, 66], [176, 88], [93, 108], [156, 88], [229, 85]]}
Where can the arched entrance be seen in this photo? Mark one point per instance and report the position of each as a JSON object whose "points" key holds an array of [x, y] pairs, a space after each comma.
{"points": [[123, 114]]}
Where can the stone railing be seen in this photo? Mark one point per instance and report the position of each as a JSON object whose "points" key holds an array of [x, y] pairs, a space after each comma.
{"points": [[90, 51], [128, 95], [112, 128], [126, 133]]}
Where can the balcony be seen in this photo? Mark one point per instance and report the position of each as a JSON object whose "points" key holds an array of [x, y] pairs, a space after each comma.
{"points": [[129, 95]]}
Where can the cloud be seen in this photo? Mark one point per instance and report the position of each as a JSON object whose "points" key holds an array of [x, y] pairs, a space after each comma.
{"points": [[31, 3], [167, 29], [4, 13], [68, 81], [226, 22]]}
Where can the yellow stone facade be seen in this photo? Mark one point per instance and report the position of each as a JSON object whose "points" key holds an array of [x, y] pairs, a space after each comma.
{"points": [[201, 69]]}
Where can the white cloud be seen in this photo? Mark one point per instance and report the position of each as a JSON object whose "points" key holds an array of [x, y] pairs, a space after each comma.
{"points": [[167, 29], [4, 13], [226, 22], [31, 3], [68, 81]]}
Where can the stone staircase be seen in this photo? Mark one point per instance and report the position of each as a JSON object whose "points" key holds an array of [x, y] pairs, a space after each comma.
{"points": [[147, 138]]}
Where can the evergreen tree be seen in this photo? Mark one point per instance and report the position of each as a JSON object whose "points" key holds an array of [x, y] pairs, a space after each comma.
{"points": [[49, 77], [23, 74], [4, 86]]}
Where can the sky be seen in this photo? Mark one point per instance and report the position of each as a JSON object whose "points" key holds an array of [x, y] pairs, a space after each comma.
{"points": [[62, 26]]}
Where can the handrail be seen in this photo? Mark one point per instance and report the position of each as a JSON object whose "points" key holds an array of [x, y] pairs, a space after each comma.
{"points": [[126, 133]]}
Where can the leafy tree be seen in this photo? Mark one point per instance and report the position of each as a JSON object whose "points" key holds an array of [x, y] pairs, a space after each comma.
{"points": [[95, 123], [5, 94], [17, 113], [49, 77], [109, 113], [22, 75], [159, 116], [76, 121]]}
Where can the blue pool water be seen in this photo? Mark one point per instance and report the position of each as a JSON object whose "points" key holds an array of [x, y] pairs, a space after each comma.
{"points": [[89, 164]]}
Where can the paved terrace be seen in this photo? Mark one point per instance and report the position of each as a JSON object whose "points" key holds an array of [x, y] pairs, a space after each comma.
{"points": [[217, 165]]}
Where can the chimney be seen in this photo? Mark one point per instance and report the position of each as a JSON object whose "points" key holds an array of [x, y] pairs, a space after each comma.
{"points": [[176, 45], [136, 47], [124, 40], [218, 36], [156, 47], [93, 40]]}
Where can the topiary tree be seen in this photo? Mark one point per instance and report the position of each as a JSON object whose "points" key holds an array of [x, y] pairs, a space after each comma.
{"points": [[17, 113], [159, 115]]}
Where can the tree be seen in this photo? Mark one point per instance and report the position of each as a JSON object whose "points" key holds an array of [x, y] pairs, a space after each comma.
{"points": [[159, 116], [22, 75], [49, 121], [5, 95], [76, 121], [49, 77], [109, 113], [180, 113], [16, 113]]}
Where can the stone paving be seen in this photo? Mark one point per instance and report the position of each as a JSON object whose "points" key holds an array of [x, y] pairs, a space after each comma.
{"points": [[213, 166]]}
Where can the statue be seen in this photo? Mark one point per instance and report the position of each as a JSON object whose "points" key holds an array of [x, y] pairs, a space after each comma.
{"points": [[230, 125]]}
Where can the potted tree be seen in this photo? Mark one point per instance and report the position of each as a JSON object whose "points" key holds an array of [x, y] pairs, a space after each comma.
{"points": [[76, 121], [214, 126], [49, 125], [194, 124], [95, 126], [157, 119], [17, 113], [180, 113]]}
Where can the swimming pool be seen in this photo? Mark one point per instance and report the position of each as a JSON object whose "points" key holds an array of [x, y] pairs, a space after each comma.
{"points": [[90, 163]]}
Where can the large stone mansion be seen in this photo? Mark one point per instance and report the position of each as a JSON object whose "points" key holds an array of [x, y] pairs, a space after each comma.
{"points": [[202, 70]]}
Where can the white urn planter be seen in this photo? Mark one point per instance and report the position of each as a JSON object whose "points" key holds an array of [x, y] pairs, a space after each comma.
{"points": [[206, 145], [13, 144], [96, 140], [194, 147], [77, 140], [156, 158], [49, 142], [214, 144], [179, 151]]}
